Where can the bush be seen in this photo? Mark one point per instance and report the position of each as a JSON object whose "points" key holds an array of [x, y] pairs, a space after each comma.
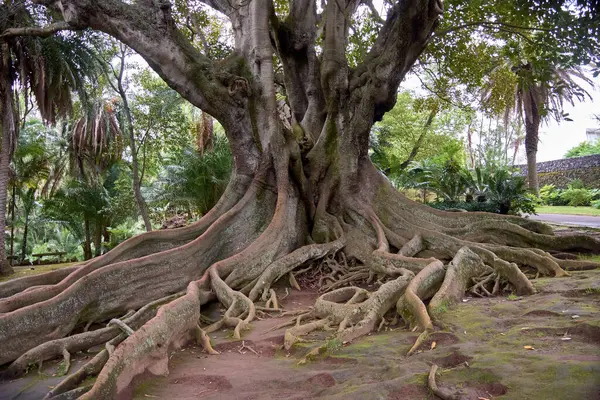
{"points": [[596, 204], [577, 197], [551, 196], [467, 206]]}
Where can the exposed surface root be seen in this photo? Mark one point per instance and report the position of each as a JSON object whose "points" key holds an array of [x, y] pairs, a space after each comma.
{"points": [[15, 286], [238, 253], [410, 306], [82, 341], [287, 264], [203, 340], [355, 311], [464, 266], [148, 348], [442, 393]]}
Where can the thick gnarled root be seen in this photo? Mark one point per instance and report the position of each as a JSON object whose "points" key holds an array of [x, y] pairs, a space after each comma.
{"points": [[356, 312], [148, 348], [442, 393], [465, 266], [424, 285], [82, 341]]}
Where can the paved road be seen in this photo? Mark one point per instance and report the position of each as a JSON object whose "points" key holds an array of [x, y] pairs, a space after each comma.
{"points": [[582, 220]]}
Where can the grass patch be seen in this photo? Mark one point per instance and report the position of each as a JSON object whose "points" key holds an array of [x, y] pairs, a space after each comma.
{"points": [[590, 257], [568, 210], [21, 272], [442, 308]]}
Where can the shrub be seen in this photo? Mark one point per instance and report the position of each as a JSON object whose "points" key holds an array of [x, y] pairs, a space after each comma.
{"points": [[577, 197], [467, 206], [551, 196], [596, 204]]}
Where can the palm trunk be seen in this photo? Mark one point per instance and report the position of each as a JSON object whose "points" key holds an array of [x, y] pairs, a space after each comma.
{"points": [[8, 129], [532, 126], [87, 245], [205, 134], [25, 233], [12, 225], [98, 240]]}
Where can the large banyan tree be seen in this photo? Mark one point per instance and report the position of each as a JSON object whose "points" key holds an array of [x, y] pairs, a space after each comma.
{"points": [[303, 189]]}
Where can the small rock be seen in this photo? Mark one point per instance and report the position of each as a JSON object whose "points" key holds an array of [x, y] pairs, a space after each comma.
{"points": [[575, 316]]}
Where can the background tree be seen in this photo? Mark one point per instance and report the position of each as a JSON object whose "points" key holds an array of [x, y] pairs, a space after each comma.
{"points": [[415, 129], [538, 93], [45, 68], [302, 187]]}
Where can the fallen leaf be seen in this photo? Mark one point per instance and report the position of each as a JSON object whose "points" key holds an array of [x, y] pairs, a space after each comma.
{"points": [[433, 344], [528, 347]]}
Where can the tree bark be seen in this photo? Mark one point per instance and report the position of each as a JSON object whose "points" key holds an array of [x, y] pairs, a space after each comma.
{"points": [[12, 224], [8, 129], [532, 126], [25, 234], [87, 244]]}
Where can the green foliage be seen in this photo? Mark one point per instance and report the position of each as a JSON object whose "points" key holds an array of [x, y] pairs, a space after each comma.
{"points": [[508, 192], [596, 204], [551, 196], [467, 206], [405, 130], [493, 189], [576, 197], [583, 149], [448, 180], [191, 182]]}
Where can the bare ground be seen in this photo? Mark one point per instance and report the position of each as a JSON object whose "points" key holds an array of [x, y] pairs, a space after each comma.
{"points": [[481, 351]]}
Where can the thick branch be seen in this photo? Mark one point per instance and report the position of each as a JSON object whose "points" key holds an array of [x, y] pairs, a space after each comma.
{"points": [[43, 31]]}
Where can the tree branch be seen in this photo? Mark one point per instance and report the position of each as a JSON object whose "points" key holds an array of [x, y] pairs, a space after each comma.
{"points": [[491, 24], [406, 32], [369, 3], [43, 31]]}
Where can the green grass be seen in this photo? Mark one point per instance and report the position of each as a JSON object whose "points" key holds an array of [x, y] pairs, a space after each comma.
{"points": [[568, 210], [20, 272], [591, 257]]}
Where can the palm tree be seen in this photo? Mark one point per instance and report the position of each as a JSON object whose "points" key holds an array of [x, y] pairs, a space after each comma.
{"points": [[95, 140], [31, 167], [192, 182], [536, 93], [47, 69]]}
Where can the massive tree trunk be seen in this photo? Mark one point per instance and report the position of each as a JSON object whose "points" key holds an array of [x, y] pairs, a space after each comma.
{"points": [[301, 190]]}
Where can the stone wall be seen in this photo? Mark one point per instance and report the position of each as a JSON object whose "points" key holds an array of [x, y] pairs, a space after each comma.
{"points": [[561, 172]]}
